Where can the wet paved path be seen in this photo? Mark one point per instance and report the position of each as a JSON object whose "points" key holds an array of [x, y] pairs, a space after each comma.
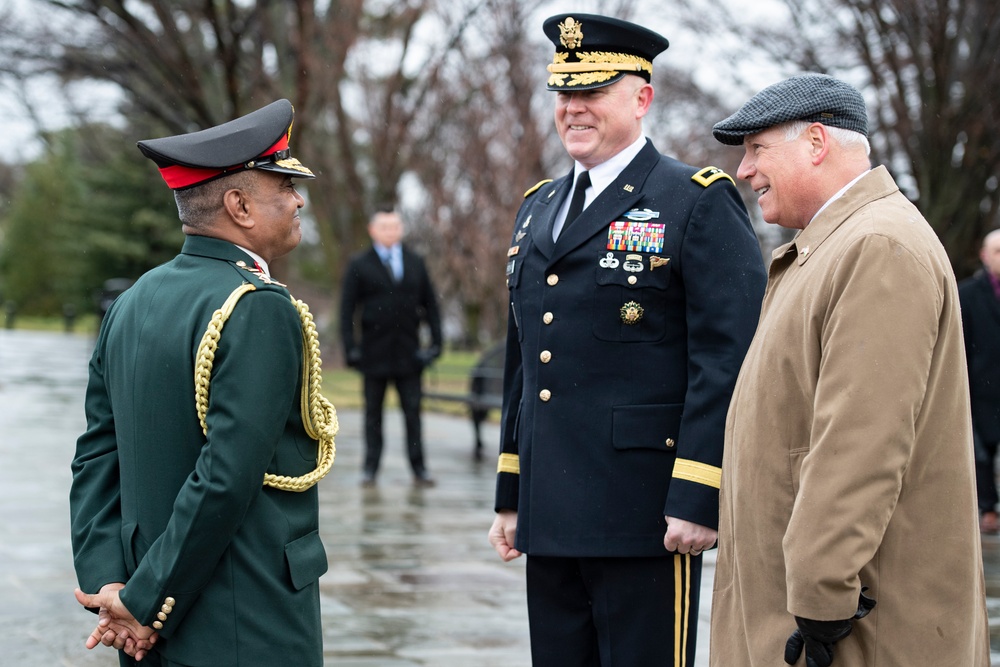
{"points": [[412, 580]]}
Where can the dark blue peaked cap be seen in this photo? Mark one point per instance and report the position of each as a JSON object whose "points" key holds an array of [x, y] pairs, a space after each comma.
{"points": [[594, 51], [814, 98], [258, 140]]}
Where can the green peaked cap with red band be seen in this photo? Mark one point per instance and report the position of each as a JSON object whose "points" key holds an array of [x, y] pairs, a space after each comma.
{"points": [[258, 140]]}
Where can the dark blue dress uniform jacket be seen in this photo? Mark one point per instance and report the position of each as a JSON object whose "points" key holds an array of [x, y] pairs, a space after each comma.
{"points": [[176, 514], [611, 420]]}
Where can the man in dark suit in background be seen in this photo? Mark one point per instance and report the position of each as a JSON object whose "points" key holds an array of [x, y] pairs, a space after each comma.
{"points": [[389, 287], [627, 327], [980, 299], [193, 506]]}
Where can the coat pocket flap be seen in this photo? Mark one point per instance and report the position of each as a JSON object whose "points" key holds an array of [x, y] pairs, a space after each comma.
{"points": [[306, 559], [647, 426]]}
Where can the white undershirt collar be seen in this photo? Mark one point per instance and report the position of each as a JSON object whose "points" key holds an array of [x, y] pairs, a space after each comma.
{"points": [[601, 177], [838, 195], [257, 258]]}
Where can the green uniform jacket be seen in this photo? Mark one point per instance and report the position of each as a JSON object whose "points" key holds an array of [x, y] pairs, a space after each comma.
{"points": [[177, 514]]}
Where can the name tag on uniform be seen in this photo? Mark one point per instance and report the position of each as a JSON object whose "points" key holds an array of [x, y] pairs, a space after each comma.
{"points": [[631, 236]]}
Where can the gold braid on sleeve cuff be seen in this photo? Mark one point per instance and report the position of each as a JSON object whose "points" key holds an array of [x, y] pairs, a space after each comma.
{"points": [[697, 472], [509, 463]]}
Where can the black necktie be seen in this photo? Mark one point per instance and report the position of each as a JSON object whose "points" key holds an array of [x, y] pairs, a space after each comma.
{"points": [[579, 193]]}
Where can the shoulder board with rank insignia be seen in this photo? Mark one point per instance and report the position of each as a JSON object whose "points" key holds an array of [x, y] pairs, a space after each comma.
{"points": [[710, 175], [536, 186]]}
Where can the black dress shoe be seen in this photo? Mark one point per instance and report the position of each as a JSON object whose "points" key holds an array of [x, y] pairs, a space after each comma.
{"points": [[424, 480]]}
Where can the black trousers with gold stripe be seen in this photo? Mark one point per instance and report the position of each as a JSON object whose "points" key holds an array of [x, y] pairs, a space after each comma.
{"points": [[613, 612]]}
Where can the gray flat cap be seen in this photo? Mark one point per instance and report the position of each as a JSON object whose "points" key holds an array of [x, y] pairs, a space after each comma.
{"points": [[814, 98]]}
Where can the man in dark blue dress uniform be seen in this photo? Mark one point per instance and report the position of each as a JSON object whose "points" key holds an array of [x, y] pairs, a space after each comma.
{"points": [[194, 510], [635, 286]]}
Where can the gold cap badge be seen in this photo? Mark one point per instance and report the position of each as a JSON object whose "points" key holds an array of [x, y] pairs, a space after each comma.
{"points": [[571, 33]]}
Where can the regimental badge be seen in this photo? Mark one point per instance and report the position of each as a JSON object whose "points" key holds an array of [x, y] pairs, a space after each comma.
{"points": [[631, 312], [526, 222], [655, 262], [519, 236], [513, 250], [632, 236], [571, 33], [263, 277]]}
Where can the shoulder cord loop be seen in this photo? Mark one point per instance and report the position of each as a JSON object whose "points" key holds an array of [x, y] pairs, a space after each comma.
{"points": [[319, 417]]}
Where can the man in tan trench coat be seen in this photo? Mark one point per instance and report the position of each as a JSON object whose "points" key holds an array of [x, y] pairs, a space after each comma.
{"points": [[848, 454]]}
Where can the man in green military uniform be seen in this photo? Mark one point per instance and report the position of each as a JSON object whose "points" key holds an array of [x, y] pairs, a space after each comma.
{"points": [[194, 510]]}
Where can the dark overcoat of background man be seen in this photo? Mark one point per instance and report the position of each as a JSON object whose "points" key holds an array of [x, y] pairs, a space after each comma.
{"points": [[387, 295]]}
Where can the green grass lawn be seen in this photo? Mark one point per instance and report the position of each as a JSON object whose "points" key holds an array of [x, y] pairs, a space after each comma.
{"points": [[448, 375], [83, 324]]}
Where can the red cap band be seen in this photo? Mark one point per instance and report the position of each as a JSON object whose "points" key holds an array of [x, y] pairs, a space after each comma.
{"points": [[179, 177]]}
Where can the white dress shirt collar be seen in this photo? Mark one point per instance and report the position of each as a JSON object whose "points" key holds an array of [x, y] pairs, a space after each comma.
{"points": [[605, 173], [386, 252], [838, 195], [601, 177]]}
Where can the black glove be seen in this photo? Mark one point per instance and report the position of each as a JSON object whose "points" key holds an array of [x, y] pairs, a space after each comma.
{"points": [[427, 357], [353, 358], [818, 637]]}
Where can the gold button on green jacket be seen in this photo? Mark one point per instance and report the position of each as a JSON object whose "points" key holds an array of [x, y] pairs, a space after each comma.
{"points": [[177, 513]]}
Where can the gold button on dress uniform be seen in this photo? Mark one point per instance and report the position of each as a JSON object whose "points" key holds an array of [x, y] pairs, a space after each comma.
{"points": [[545, 356], [548, 317], [165, 609], [552, 279], [545, 395]]}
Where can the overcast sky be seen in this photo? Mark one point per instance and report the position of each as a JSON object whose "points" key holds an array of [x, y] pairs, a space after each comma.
{"points": [[54, 107]]}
